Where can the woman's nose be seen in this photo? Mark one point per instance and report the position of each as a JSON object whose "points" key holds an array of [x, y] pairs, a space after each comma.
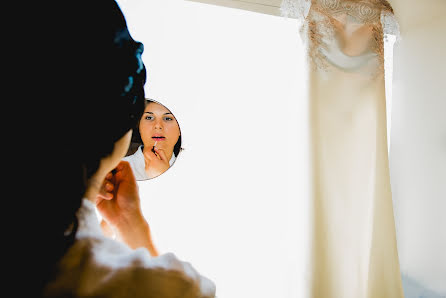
{"points": [[158, 124]]}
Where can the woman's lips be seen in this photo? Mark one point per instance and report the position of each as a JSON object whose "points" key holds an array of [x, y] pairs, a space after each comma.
{"points": [[158, 138]]}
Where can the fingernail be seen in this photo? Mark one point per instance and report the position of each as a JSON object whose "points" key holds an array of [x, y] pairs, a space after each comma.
{"points": [[109, 186]]}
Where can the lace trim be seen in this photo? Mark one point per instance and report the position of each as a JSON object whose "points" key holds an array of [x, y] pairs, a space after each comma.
{"points": [[298, 9], [364, 11], [390, 25]]}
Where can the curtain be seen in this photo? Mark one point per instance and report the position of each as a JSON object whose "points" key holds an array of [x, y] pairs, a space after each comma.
{"points": [[418, 147], [353, 248]]}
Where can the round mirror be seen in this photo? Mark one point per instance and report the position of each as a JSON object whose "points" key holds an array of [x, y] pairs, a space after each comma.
{"points": [[156, 142]]}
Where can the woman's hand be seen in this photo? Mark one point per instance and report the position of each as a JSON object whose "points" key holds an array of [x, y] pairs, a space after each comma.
{"points": [[119, 205], [156, 163], [118, 201]]}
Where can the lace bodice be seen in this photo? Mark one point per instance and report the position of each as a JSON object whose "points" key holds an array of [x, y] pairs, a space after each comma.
{"points": [[344, 34], [363, 11]]}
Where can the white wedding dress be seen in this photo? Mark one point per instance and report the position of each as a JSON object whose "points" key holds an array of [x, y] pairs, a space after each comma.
{"points": [[353, 248]]}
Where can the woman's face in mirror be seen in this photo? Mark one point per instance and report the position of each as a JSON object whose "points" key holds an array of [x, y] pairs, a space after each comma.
{"points": [[156, 143], [158, 125]]}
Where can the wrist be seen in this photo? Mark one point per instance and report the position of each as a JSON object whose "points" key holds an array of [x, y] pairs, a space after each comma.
{"points": [[136, 233], [128, 221]]}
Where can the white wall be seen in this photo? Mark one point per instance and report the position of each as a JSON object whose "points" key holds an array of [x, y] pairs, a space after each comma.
{"points": [[234, 202]]}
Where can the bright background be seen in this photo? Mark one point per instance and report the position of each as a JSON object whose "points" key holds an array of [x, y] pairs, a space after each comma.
{"points": [[234, 204]]}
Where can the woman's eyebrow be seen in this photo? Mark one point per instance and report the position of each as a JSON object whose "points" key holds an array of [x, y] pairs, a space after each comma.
{"points": [[168, 113]]}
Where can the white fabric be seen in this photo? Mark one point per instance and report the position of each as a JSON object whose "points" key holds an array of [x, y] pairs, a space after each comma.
{"points": [[390, 25], [418, 148], [96, 266], [137, 163], [298, 9], [354, 252]]}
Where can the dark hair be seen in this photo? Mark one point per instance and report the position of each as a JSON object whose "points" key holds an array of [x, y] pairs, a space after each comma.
{"points": [[136, 136], [92, 94]]}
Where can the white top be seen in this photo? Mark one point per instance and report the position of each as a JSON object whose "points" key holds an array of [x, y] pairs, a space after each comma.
{"points": [[97, 266], [137, 163]]}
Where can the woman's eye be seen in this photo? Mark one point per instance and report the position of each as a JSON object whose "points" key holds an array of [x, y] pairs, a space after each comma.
{"points": [[168, 118], [149, 118]]}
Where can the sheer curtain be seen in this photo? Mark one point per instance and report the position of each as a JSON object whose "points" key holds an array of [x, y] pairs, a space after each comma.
{"points": [[418, 146], [353, 245]]}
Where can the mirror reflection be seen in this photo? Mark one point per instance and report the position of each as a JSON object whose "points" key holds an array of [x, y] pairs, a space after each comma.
{"points": [[156, 142]]}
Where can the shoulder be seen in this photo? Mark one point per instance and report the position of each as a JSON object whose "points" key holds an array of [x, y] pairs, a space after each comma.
{"points": [[137, 163], [136, 155]]}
